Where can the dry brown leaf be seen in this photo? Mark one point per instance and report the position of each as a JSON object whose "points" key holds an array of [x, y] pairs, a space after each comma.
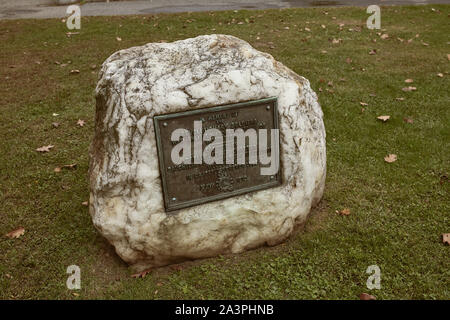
{"points": [[446, 238], [55, 124], [440, 75], [373, 51], [384, 36], [81, 122], [390, 158], [348, 60], [408, 89], [16, 233], [141, 274], [85, 203], [363, 104], [408, 120], [344, 212], [336, 41], [409, 81], [74, 71], [57, 169], [45, 148], [400, 99], [366, 296], [118, 38], [383, 118], [307, 29]]}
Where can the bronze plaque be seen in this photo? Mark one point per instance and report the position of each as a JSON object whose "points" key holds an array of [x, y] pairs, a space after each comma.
{"points": [[193, 182]]}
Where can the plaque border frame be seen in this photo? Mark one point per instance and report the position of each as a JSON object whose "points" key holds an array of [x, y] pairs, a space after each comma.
{"points": [[276, 181]]}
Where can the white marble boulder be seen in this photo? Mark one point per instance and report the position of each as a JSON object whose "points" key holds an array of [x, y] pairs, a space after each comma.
{"points": [[126, 202]]}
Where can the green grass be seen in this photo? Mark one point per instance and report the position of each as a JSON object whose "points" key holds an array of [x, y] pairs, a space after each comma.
{"points": [[398, 210]]}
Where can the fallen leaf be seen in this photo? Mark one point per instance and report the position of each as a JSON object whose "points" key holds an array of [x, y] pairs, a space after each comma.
{"points": [[409, 81], [57, 169], [74, 71], [390, 158], [67, 166], [81, 122], [44, 148], [344, 212], [408, 89], [363, 104], [440, 75], [408, 120], [118, 38], [366, 296], [85, 203], [384, 36], [16, 233], [425, 44], [383, 118], [373, 51], [55, 124], [141, 274], [93, 66], [336, 41], [400, 99], [307, 29], [159, 284], [446, 238], [348, 60], [75, 294]]}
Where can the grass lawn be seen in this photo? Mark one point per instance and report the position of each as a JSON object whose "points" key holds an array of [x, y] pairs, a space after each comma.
{"points": [[398, 211]]}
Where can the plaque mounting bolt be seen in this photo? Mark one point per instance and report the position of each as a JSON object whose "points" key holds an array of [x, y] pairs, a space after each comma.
{"points": [[165, 124], [174, 199], [268, 107]]}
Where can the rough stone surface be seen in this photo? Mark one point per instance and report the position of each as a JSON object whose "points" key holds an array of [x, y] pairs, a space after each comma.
{"points": [[126, 201]]}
